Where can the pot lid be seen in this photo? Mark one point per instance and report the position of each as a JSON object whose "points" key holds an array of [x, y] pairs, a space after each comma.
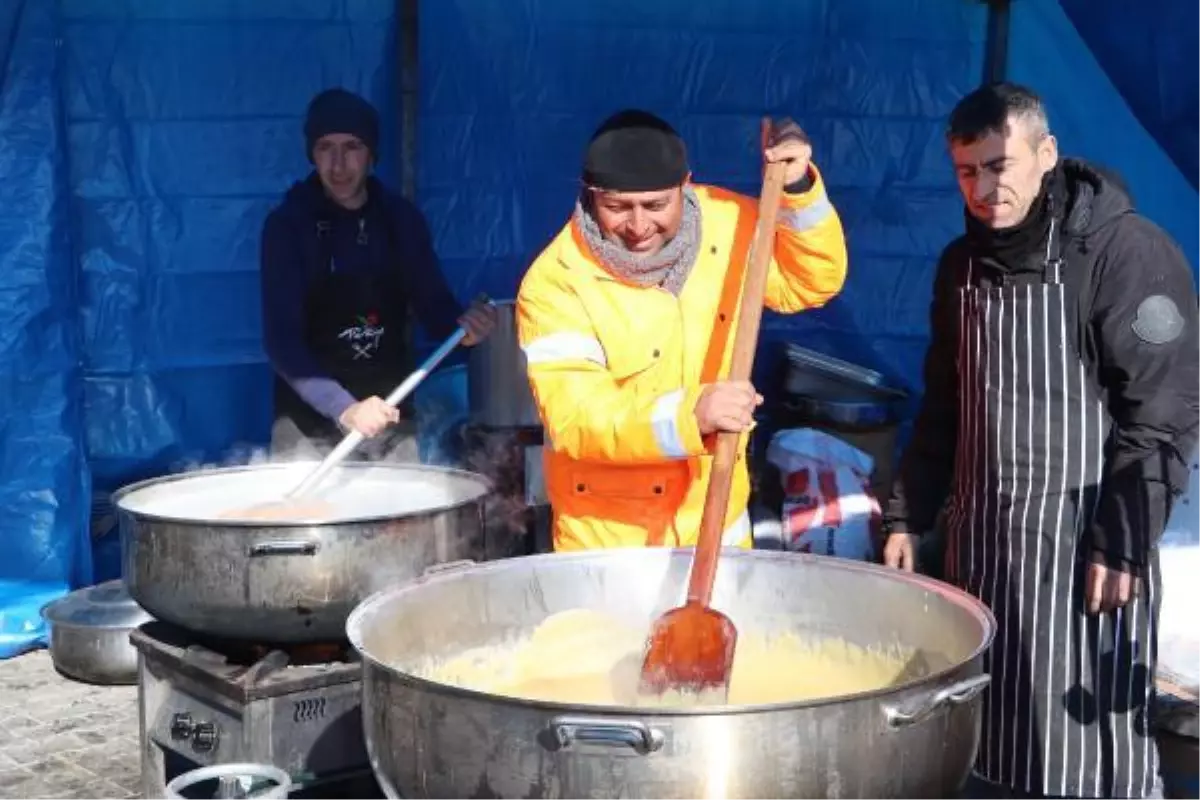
{"points": [[849, 375], [105, 605]]}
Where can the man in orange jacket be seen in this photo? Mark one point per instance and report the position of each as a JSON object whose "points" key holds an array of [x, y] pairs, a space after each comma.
{"points": [[626, 320]]}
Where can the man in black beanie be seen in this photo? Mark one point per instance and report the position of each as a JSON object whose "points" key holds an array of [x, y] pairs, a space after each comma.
{"points": [[346, 266], [626, 320]]}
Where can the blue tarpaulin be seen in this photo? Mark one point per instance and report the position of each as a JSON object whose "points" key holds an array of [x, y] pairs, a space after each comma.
{"points": [[44, 545], [183, 122], [151, 144], [145, 140], [1092, 119], [512, 98], [1148, 50]]}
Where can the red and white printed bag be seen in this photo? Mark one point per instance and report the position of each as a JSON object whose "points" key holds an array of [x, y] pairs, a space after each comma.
{"points": [[828, 506]]}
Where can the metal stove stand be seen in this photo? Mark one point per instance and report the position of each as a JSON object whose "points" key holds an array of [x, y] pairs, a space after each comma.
{"points": [[204, 703]]}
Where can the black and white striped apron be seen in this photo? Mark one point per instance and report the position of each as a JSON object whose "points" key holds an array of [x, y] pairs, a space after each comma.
{"points": [[1066, 712]]}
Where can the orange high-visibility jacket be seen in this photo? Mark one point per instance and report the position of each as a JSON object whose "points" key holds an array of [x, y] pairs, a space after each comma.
{"points": [[616, 369]]}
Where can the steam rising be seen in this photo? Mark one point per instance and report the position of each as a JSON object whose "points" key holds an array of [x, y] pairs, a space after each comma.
{"points": [[356, 490], [353, 491], [495, 457]]}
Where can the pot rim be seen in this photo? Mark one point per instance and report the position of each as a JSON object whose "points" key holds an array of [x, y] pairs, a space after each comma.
{"points": [[952, 594], [63, 612], [107, 627], [486, 485], [851, 404]]}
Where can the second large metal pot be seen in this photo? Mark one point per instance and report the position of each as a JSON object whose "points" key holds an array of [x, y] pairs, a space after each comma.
{"points": [[290, 581], [917, 738]]}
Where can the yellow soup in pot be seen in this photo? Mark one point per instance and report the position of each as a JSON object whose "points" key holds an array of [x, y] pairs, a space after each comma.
{"points": [[585, 657]]}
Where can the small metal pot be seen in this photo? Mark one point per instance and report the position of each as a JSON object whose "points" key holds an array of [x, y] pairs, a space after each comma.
{"points": [[89, 633]]}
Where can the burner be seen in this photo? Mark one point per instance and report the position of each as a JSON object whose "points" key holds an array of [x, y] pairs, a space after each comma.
{"points": [[248, 653], [319, 653], [207, 701], [302, 654]]}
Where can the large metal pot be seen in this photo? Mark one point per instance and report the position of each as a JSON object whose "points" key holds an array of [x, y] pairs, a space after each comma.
{"points": [[917, 738], [497, 381], [290, 581]]}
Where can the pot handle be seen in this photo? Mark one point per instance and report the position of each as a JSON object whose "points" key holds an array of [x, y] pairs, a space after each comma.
{"points": [[448, 566], [230, 778], [610, 733], [284, 548], [953, 695]]}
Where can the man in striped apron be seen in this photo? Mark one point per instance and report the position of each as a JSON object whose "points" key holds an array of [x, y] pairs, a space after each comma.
{"points": [[1060, 405]]}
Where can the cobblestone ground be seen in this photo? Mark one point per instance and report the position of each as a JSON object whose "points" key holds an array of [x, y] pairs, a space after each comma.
{"points": [[61, 738]]}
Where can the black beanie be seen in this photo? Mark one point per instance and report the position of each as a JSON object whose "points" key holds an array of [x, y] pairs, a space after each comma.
{"points": [[635, 151], [340, 111]]}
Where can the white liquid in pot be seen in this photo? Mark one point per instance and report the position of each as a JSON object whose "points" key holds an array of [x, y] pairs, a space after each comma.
{"points": [[583, 657], [344, 494]]}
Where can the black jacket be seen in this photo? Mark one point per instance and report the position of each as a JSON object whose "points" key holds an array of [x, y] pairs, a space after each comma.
{"points": [[1115, 259], [292, 258]]}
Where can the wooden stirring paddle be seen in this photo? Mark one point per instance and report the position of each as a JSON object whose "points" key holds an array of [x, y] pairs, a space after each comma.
{"points": [[690, 648]]}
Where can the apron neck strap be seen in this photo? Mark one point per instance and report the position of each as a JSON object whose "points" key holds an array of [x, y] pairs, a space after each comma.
{"points": [[324, 244], [1053, 262]]}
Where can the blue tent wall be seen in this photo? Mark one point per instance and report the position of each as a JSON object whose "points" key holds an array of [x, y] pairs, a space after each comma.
{"points": [[179, 124], [1148, 50], [509, 97], [43, 475], [185, 127], [144, 142], [1092, 120], [511, 93]]}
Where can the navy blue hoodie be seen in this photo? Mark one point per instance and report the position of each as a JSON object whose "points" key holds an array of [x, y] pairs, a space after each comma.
{"points": [[290, 262]]}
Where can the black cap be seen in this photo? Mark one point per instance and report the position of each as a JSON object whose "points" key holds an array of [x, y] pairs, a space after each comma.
{"points": [[635, 151], [341, 111]]}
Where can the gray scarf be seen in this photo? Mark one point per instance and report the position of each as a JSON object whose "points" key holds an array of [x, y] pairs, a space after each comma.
{"points": [[668, 268]]}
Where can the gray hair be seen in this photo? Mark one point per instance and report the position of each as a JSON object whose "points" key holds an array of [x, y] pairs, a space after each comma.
{"points": [[992, 108]]}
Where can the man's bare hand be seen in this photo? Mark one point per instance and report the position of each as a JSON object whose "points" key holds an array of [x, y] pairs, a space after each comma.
{"points": [[900, 551], [1108, 589], [784, 140], [479, 320], [369, 417], [727, 406]]}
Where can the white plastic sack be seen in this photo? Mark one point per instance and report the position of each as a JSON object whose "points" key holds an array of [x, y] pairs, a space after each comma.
{"points": [[828, 506], [1179, 559]]}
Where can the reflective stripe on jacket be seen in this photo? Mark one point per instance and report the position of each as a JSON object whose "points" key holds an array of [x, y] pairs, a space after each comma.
{"points": [[616, 369]]}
